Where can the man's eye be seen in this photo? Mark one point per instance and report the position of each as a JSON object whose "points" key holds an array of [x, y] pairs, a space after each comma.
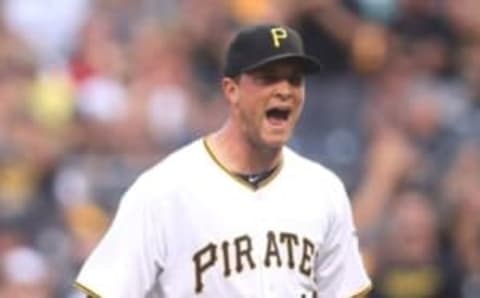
{"points": [[266, 79], [296, 80]]}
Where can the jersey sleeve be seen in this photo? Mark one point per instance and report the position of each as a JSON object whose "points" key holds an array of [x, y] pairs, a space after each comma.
{"points": [[130, 256], [339, 269]]}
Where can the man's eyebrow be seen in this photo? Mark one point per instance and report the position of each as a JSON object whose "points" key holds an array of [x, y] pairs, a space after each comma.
{"points": [[265, 70]]}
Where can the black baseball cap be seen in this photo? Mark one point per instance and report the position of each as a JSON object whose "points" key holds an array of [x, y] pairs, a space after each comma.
{"points": [[258, 45]]}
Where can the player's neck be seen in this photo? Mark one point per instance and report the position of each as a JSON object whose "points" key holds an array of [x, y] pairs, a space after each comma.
{"points": [[239, 155]]}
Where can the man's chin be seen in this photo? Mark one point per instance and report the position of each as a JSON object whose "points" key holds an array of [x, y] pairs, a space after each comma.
{"points": [[275, 142]]}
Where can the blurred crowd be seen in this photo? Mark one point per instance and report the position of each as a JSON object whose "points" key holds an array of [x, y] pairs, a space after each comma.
{"points": [[92, 92]]}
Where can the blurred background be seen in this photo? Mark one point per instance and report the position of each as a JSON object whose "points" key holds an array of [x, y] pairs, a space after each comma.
{"points": [[92, 92]]}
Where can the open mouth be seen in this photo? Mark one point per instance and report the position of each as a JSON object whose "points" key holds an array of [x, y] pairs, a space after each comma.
{"points": [[278, 115]]}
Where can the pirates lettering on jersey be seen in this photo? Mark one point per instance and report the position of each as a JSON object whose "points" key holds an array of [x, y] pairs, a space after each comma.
{"points": [[280, 252]]}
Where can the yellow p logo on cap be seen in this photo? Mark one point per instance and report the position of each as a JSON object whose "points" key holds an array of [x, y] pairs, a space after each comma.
{"points": [[277, 35]]}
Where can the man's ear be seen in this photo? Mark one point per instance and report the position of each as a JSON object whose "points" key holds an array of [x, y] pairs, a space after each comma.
{"points": [[230, 89]]}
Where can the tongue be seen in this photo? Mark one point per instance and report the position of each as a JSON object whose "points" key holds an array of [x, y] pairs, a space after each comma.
{"points": [[276, 120]]}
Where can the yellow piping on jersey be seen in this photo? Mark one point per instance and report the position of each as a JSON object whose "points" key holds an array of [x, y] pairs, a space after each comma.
{"points": [[363, 292], [238, 179], [86, 290]]}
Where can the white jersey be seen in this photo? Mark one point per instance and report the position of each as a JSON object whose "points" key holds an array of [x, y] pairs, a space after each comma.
{"points": [[188, 228]]}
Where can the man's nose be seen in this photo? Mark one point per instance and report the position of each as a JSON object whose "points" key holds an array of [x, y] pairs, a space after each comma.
{"points": [[283, 90]]}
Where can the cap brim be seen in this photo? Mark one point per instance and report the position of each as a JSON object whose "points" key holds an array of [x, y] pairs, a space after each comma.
{"points": [[310, 64]]}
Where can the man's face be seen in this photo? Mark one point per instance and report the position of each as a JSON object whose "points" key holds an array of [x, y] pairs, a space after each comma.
{"points": [[267, 102]]}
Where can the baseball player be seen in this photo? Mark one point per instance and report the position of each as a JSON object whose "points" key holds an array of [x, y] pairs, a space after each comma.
{"points": [[237, 213]]}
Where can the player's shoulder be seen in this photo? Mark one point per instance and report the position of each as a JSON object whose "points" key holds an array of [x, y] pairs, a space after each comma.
{"points": [[174, 166], [318, 179], [186, 156], [310, 168]]}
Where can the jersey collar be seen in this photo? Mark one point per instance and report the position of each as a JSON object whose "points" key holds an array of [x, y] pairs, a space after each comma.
{"points": [[235, 177]]}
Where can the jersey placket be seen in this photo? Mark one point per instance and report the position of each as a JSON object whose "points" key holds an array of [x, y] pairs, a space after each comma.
{"points": [[266, 287]]}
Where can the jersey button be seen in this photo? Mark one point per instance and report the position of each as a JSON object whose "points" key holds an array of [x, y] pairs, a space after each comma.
{"points": [[271, 289]]}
